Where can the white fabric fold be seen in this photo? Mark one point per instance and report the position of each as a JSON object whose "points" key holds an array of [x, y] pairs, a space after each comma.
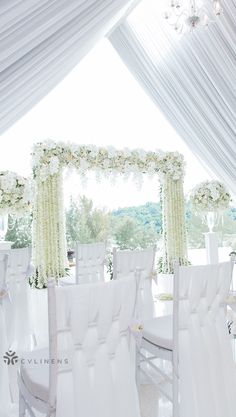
{"points": [[42, 41], [191, 79]]}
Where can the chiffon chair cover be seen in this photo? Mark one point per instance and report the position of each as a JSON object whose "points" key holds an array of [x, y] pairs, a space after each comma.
{"points": [[4, 375], [93, 325], [90, 260], [206, 370], [19, 317], [127, 263], [91, 368]]}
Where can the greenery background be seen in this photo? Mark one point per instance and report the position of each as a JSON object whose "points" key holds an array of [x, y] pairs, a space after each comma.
{"points": [[126, 227]]}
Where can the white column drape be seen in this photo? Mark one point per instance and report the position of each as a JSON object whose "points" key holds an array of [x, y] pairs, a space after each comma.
{"points": [[41, 41], [192, 79]]}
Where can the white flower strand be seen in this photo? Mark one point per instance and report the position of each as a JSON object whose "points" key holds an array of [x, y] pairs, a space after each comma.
{"points": [[174, 230], [49, 230]]}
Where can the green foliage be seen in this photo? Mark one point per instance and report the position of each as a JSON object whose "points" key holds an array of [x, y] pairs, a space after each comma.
{"points": [[129, 233], [20, 231], [147, 214], [86, 224]]}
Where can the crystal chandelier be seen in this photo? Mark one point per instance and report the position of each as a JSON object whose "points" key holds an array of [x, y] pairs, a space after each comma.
{"points": [[187, 15]]}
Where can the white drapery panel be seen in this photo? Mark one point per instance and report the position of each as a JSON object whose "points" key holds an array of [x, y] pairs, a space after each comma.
{"points": [[191, 79], [42, 41]]}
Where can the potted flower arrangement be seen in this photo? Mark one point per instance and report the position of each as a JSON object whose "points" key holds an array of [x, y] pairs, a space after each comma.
{"points": [[15, 197], [210, 199]]}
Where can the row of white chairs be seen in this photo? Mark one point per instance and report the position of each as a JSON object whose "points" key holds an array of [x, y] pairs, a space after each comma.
{"points": [[91, 371], [90, 259]]}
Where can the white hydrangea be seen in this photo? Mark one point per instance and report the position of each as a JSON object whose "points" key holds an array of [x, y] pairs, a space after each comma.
{"points": [[210, 196], [15, 193], [49, 156]]}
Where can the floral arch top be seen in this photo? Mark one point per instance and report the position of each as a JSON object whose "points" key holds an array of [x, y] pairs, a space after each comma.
{"points": [[50, 157]]}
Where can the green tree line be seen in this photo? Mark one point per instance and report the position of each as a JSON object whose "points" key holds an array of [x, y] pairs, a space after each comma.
{"points": [[126, 227]]}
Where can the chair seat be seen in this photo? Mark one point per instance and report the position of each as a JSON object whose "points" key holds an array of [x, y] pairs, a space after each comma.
{"points": [[158, 331], [35, 373], [70, 280]]}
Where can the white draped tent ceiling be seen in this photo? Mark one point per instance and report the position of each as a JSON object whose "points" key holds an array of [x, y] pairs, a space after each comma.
{"points": [[193, 84]]}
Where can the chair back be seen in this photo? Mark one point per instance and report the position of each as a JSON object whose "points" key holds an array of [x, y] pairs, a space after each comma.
{"points": [[90, 259], [126, 263], [4, 374], [3, 274], [90, 338], [19, 318], [204, 370]]}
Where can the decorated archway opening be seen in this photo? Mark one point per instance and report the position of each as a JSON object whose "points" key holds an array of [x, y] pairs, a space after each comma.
{"points": [[49, 160]]}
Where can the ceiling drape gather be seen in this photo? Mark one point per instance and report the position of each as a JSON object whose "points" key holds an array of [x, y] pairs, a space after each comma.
{"points": [[41, 41], [191, 78]]}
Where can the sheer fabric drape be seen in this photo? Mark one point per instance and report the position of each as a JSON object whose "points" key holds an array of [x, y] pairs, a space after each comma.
{"points": [[191, 79], [42, 41]]}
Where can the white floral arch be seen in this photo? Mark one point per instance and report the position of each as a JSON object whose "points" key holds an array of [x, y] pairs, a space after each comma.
{"points": [[49, 159]]}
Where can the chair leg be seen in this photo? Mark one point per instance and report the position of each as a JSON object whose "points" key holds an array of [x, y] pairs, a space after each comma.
{"points": [[22, 406], [34, 340], [175, 396], [137, 370]]}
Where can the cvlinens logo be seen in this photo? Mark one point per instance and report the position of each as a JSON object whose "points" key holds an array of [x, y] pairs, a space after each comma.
{"points": [[10, 358]]}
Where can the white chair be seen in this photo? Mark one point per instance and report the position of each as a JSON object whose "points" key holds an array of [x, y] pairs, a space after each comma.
{"points": [[196, 340], [126, 263], [4, 375], [19, 319], [90, 261], [90, 370]]}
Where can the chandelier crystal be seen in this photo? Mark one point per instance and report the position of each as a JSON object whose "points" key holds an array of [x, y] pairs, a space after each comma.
{"points": [[188, 15]]}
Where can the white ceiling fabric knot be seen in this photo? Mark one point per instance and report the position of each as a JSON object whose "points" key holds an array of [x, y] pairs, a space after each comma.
{"points": [[191, 79], [41, 41]]}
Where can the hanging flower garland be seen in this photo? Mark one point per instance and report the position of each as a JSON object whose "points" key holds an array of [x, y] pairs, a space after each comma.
{"points": [[49, 157], [15, 194], [210, 196]]}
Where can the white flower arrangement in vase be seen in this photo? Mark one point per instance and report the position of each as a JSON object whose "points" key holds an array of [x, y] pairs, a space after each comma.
{"points": [[210, 199]]}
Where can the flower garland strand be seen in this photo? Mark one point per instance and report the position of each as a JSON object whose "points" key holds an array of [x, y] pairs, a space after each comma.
{"points": [[174, 229], [49, 237]]}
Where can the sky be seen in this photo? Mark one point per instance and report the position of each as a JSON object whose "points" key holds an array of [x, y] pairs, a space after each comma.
{"points": [[98, 103]]}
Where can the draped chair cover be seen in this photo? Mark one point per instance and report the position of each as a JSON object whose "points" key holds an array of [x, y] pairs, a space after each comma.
{"points": [[42, 41], [19, 318], [90, 260], [207, 374], [4, 375], [93, 333], [126, 263]]}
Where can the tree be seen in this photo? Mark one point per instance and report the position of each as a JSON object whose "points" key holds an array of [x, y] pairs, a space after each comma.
{"points": [[86, 224], [131, 234], [20, 231]]}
